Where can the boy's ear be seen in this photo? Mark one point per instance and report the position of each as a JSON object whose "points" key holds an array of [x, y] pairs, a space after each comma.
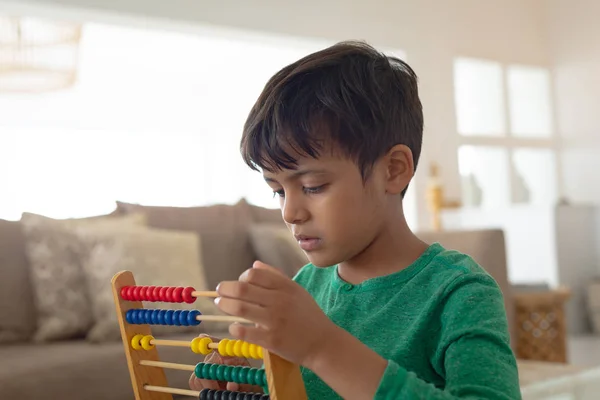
{"points": [[400, 168]]}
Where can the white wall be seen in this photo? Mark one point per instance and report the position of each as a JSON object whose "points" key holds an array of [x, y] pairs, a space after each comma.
{"points": [[574, 46], [431, 32]]}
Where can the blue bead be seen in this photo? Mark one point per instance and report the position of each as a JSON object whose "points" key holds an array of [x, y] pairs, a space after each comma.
{"points": [[128, 316], [176, 317], [134, 316], [192, 318], [160, 317], [147, 316], [140, 316], [183, 318], [153, 317], [169, 317]]}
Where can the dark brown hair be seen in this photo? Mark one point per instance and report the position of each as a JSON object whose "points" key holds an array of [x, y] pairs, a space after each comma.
{"points": [[350, 94]]}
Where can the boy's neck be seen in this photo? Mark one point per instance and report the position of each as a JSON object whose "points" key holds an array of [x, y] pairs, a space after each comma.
{"points": [[393, 249]]}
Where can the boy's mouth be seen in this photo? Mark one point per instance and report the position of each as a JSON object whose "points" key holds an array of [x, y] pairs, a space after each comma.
{"points": [[308, 243]]}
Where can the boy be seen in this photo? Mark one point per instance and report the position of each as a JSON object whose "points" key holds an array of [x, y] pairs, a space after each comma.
{"points": [[377, 314]]}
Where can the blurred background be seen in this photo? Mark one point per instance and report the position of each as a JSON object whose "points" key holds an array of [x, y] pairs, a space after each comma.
{"points": [[114, 109]]}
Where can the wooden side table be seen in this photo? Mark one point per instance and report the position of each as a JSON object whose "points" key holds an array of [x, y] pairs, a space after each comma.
{"points": [[541, 326]]}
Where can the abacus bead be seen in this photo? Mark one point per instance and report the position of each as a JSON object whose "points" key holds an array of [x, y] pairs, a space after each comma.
{"points": [[177, 297], [245, 349], [186, 295], [169, 317], [136, 293], [235, 377], [154, 318], [229, 348], [130, 293], [253, 351], [156, 293], [256, 396], [244, 374], [128, 317], [143, 293], [163, 293], [251, 376], [150, 293], [192, 320], [219, 376], [146, 345], [202, 395], [223, 347], [123, 292], [237, 348], [175, 319], [260, 352], [147, 316], [183, 318], [206, 371], [204, 342], [226, 394], [261, 377], [169, 294], [227, 373], [136, 342]]}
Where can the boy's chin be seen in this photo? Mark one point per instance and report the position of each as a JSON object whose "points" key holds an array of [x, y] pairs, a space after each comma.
{"points": [[321, 260]]}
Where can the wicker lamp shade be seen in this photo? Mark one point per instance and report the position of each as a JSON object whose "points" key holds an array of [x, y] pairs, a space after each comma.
{"points": [[36, 55]]}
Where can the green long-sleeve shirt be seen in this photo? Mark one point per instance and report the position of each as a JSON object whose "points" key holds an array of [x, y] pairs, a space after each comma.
{"points": [[440, 323]]}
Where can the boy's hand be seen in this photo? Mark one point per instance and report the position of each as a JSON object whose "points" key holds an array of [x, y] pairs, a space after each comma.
{"points": [[215, 358], [288, 320]]}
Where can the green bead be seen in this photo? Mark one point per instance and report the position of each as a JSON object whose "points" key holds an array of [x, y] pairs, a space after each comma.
{"points": [[219, 375], [206, 371], [213, 371], [261, 377], [244, 374], [227, 373], [198, 370], [235, 373], [252, 376]]}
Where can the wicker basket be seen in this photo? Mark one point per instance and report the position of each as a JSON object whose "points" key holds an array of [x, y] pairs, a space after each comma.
{"points": [[540, 325]]}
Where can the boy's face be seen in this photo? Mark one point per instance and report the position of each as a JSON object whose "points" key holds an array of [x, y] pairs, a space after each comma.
{"points": [[332, 213]]}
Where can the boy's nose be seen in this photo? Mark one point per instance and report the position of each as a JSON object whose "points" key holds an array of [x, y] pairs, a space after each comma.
{"points": [[293, 211]]}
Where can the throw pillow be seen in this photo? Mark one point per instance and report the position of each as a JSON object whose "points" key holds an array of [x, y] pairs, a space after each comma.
{"points": [[275, 245], [156, 257], [61, 297], [17, 311]]}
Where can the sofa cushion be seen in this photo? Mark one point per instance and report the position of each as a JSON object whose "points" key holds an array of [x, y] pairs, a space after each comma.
{"points": [[225, 245], [17, 311], [266, 215], [80, 370], [275, 245], [156, 257], [60, 293]]}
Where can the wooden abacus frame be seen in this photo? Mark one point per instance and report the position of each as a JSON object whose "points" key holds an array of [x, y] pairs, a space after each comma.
{"points": [[283, 377]]}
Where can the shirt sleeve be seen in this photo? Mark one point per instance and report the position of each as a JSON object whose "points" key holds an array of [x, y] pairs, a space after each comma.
{"points": [[473, 353]]}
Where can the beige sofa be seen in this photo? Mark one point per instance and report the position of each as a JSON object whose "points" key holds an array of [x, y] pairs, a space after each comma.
{"points": [[232, 237]]}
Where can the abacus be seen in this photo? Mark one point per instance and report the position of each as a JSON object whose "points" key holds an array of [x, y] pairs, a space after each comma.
{"points": [[280, 379]]}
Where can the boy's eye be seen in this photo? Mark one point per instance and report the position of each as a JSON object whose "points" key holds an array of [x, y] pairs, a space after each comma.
{"points": [[279, 193], [313, 190]]}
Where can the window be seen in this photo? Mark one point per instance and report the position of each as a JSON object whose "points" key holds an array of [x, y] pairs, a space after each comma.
{"points": [[504, 121]]}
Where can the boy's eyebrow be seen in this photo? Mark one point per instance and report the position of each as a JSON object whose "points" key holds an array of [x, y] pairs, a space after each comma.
{"points": [[299, 173]]}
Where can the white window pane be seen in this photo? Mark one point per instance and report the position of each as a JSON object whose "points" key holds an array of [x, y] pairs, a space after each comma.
{"points": [[535, 176], [485, 176], [479, 97], [529, 101]]}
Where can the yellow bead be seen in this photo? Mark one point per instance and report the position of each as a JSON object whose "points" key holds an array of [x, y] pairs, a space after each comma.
{"points": [[136, 342], [245, 350], [146, 345], [195, 345], [253, 351], [223, 347], [229, 349], [237, 348], [260, 352], [203, 346]]}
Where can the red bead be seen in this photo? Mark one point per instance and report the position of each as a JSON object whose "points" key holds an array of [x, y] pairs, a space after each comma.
{"points": [[136, 293], [169, 294], [124, 292], [150, 293], [143, 291], [163, 293], [187, 295], [156, 293], [130, 293], [177, 295]]}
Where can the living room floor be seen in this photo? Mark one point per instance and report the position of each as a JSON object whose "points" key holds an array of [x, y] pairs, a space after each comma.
{"points": [[584, 350]]}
